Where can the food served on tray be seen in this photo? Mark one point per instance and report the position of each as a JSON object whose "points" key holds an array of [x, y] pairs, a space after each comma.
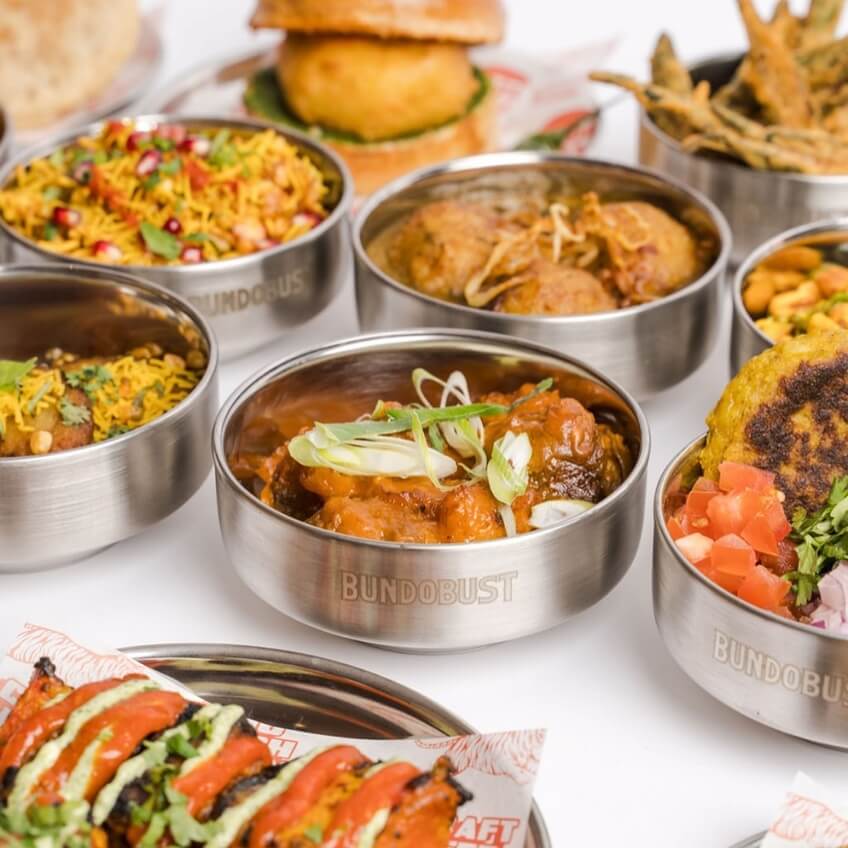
{"points": [[447, 468], [764, 511], [165, 195], [800, 288], [543, 255], [785, 108], [60, 400], [388, 84], [124, 762], [55, 56]]}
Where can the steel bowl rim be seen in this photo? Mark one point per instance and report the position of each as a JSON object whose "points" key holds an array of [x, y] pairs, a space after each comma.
{"points": [[782, 239], [519, 159], [235, 263], [746, 608], [265, 376], [371, 679], [647, 123], [165, 297], [6, 132]]}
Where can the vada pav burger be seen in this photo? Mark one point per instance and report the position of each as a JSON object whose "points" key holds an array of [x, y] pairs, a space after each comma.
{"points": [[387, 83]]}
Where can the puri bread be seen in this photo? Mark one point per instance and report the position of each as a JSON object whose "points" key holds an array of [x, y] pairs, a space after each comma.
{"points": [[463, 21], [56, 54], [373, 165], [375, 89]]}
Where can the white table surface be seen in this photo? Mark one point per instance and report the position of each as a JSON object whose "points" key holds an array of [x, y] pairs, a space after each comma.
{"points": [[637, 754]]}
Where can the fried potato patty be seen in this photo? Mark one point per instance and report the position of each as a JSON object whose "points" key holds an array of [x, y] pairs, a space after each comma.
{"points": [[376, 89], [786, 411]]}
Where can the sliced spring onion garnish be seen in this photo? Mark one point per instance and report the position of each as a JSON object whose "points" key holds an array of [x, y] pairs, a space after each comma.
{"points": [[507, 469], [373, 457], [552, 512], [508, 518]]}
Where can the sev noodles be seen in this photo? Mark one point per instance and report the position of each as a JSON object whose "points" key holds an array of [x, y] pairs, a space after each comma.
{"points": [[167, 195]]}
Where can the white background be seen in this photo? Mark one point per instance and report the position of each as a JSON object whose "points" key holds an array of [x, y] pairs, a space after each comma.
{"points": [[637, 755]]}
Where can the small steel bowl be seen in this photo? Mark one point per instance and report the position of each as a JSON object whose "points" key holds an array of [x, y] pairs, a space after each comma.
{"points": [[249, 300], [746, 339], [646, 348], [786, 675], [420, 597], [757, 204], [63, 506]]}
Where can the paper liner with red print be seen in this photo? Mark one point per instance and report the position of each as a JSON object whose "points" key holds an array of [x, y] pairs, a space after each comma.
{"points": [[499, 769], [811, 816]]}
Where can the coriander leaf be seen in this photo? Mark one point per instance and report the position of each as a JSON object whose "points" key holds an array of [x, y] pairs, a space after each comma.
{"points": [[12, 372], [50, 231], [314, 833], [51, 192], [179, 745], [172, 167], [73, 414], [197, 237], [163, 144], [159, 242], [89, 378], [152, 181]]}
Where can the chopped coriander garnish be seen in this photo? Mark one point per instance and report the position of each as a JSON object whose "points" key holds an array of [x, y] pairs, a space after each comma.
{"points": [[50, 231], [197, 237], [179, 745], [314, 833], [89, 378], [163, 144], [73, 414], [159, 242], [174, 166], [12, 372], [823, 540], [152, 181], [117, 430], [51, 192], [221, 153]]}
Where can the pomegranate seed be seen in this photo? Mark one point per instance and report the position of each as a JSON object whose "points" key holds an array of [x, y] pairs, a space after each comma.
{"points": [[148, 163], [309, 219], [197, 144], [82, 171], [66, 218], [107, 250], [173, 226], [134, 139], [173, 132], [191, 255]]}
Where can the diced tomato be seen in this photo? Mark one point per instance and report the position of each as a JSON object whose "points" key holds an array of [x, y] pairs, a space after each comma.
{"points": [[764, 589], [198, 175], [701, 494], [759, 535], [775, 514], [730, 582], [731, 554], [695, 547], [675, 529], [733, 476], [729, 513]]}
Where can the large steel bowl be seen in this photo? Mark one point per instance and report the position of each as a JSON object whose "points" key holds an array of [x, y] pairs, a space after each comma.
{"points": [[757, 204], [421, 597], [646, 348], [746, 339], [63, 506], [5, 135], [249, 300], [786, 675]]}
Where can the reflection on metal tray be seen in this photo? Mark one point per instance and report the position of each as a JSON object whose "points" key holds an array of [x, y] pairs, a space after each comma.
{"points": [[751, 842], [311, 694]]}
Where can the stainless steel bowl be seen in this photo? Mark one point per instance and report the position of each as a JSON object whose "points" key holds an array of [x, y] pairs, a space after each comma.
{"points": [[420, 597], [63, 506], [313, 694], [645, 348], [249, 300], [751, 842], [757, 204], [786, 675], [746, 339]]}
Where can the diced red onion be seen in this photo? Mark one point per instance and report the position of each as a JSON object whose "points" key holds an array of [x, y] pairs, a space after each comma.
{"points": [[191, 255], [134, 139], [106, 250], [66, 218], [197, 144], [148, 163], [173, 226]]}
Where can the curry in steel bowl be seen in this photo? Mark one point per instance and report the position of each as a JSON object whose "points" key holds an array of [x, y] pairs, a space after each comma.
{"points": [[762, 509], [451, 458], [541, 252]]}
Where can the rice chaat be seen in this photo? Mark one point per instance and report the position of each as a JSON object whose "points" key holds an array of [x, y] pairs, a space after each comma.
{"points": [[60, 401], [165, 195]]}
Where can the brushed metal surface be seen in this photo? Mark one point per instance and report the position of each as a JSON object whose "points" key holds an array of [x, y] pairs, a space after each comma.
{"points": [[405, 596], [752, 842], [746, 340], [312, 694], [757, 204], [646, 348], [249, 300], [63, 506], [789, 676]]}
